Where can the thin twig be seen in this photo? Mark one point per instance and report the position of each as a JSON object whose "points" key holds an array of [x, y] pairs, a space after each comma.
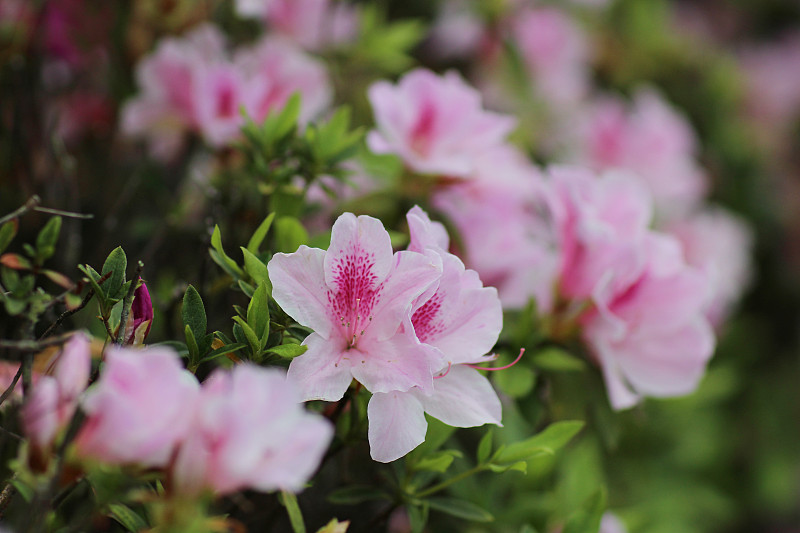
{"points": [[6, 495], [68, 214], [32, 202], [26, 346], [10, 390], [126, 305], [68, 313]]}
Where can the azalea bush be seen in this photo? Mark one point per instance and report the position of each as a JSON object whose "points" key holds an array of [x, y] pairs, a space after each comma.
{"points": [[341, 266]]}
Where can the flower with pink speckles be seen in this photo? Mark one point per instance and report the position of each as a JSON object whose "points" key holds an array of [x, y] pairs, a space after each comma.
{"points": [[436, 124], [356, 296], [462, 321]]}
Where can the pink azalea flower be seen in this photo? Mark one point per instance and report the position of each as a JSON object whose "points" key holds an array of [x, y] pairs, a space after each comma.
{"points": [[314, 24], [274, 70], [720, 244], [434, 123], [191, 84], [457, 32], [652, 338], [602, 223], [462, 320], [505, 223], [650, 139], [139, 409], [556, 52], [355, 296], [55, 395], [249, 431]]}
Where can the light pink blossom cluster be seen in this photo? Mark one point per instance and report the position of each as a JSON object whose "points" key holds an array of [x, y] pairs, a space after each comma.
{"points": [[242, 428], [405, 325], [582, 244], [192, 84], [312, 24], [647, 137]]}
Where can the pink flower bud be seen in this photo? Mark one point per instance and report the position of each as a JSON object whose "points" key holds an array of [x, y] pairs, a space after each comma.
{"points": [[141, 317]]}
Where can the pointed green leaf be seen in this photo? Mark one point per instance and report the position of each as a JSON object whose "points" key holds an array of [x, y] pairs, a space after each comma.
{"points": [[557, 360], [461, 509], [549, 441], [485, 446], [193, 313], [127, 517], [289, 501], [256, 269], [191, 343], [47, 239], [437, 462], [116, 263], [7, 233], [252, 339], [260, 233], [288, 351], [258, 313], [221, 258], [418, 516], [587, 519]]}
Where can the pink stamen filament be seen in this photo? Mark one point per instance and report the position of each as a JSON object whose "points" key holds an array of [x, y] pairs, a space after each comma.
{"points": [[449, 366], [494, 369]]}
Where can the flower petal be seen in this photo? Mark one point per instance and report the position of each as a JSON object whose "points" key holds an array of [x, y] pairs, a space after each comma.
{"points": [[462, 398], [321, 373], [397, 425], [298, 282]]}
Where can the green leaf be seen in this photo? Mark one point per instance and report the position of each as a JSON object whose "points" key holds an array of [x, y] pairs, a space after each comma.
{"points": [[7, 233], [259, 235], [127, 517], [548, 442], [256, 269], [289, 501], [47, 239], [116, 263], [587, 519], [252, 339], [485, 446], [437, 462], [516, 382], [289, 234], [193, 313], [519, 466], [191, 344], [223, 350], [288, 351], [220, 257], [24, 490], [418, 516], [258, 313], [92, 276], [461, 509], [356, 494], [527, 528], [557, 360]]}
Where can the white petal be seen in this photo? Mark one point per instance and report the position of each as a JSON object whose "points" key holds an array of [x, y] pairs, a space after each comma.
{"points": [[320, 373], [463, 398], [397, 425]]}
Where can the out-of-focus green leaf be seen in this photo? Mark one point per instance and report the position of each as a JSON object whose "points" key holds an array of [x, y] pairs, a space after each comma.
{"points": [[461, 509], [126, 516], [549, 441], [289, 234], [289, 501]]}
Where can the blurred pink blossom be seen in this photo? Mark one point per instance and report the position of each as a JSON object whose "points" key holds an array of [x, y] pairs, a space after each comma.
{"points": [[720, 244], [504, 220], [652, 338], [462, 320], [191, 84], [602, 222], [556, 52], [458, 31], [611, 524], [55, 395], [649, 138], [436, 124], [772, 81], [355, 296], [249, 431], [139, 409]]}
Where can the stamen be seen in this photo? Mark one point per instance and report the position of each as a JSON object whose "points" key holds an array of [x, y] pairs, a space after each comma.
{"points": [[449, 366], [494, 369]]}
